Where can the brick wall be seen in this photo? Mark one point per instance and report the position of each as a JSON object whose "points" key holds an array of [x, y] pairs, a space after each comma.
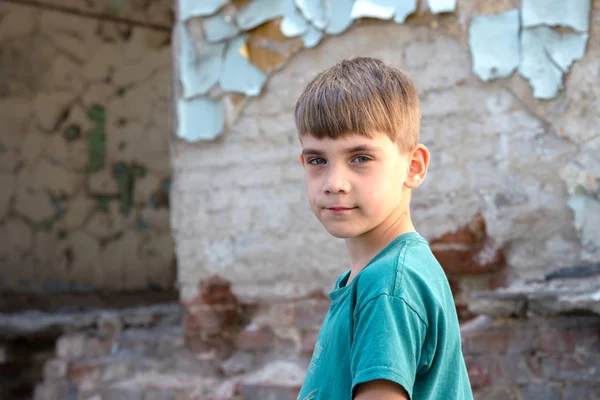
{"points": [[256, 351], [534, 358]]}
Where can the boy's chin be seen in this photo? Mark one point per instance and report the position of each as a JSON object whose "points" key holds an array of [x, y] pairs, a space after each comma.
{"points": [[342, 233]]}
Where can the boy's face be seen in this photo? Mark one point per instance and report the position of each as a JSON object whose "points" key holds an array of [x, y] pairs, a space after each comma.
{"points": [[356, 183]]}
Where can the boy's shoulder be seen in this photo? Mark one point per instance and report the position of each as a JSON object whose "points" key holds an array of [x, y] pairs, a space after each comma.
{"points": [[407, 270]]}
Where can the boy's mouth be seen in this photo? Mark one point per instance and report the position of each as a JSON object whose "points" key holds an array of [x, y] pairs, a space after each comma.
{"points": [[339, 210]]}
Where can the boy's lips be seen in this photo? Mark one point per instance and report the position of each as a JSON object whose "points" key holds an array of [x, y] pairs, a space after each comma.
{"points": [[339, 210]]}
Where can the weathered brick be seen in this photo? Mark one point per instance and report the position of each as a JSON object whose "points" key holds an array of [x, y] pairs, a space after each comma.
{"points": [[55, 390], [95, 347], [310, 313], [496, 394], [55, 369], [572, 368], [71, 346], [309, 340], [114, 371], [468, 250], [253, 337], [238, 363], [553, 338], [85, 374], [216, 290], [211, 319], [116, 393], [490, 340], [157, 394], [535, 391], [479, 369], [521, 336], [203, 344], [274, 315], [109, 324], [510, 370], [259, 392], [581, 392]]}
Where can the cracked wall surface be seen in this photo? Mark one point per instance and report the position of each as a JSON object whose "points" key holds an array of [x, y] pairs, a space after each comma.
{"points": [[528, 167], [84, 165]]}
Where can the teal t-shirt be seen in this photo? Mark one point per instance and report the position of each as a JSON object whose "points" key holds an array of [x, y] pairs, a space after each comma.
{"points": [[397, 321]]}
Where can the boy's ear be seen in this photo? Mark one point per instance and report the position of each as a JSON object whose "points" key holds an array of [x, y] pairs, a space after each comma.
{"points": [[418, 162], [302, 160]]}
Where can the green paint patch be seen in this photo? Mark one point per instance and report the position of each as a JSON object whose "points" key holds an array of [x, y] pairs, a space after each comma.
{"points": [[126, 175], [103, 202], [72, 132], [116, 6], [96, 139], [47, 225], [62, 234], [121, 91]]}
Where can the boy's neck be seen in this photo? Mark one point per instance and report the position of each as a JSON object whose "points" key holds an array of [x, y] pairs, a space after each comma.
{"points": [[365, 247]]}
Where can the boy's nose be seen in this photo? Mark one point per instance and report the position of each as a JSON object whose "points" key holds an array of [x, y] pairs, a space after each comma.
{"points": [[336, 183]]}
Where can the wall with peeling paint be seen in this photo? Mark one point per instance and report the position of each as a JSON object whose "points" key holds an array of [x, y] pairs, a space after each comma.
{"points": [[509, 140], [84, 165]]}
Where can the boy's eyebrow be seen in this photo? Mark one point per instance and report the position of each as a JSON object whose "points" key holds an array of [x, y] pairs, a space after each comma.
{"points": [[354, 149]]}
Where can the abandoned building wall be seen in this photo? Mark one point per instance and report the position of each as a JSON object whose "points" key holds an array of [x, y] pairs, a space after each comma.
{"points": [[84, 156], [513, 167]]}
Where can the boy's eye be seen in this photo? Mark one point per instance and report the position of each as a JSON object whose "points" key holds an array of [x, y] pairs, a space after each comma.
{"points": [[316, 161], [361, 159]]}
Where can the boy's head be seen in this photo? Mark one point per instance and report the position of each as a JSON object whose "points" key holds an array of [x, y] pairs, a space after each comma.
{"points": [[358, 123], [360, 96]]}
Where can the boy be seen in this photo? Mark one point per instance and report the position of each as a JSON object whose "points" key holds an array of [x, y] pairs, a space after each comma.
{"points": [[391, 332]]}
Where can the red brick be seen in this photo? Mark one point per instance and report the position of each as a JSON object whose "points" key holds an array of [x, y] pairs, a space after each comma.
{"points": [[261, 392], [310, 313], [574, 368], [211, 319], [71, 346], [274, 315], [309, 340], [473, 232], [468, 250], [556, 339], [470, 260], [85, 373], [491, 340], [479, 371], [221, 346], [463, 312], [55, 369], [255, 338], [216, 290]]}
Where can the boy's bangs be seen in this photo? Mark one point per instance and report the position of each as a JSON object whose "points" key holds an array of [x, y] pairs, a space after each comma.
{"points": [[334, 114]]}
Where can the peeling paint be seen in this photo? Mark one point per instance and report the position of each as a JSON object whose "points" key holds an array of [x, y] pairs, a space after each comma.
{"points": [[194, 8], [339, 15], [293, 23], [238, 74], [381, 9], [258, 12], [219, 28], [441, 6], [404, 9], [494, 44], [546, 56], [200, 119], [312, 37], [571, 13], [199, 70], [314, 12]]}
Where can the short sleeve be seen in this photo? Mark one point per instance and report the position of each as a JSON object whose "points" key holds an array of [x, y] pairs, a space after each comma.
{"points": [[388, 337]]}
